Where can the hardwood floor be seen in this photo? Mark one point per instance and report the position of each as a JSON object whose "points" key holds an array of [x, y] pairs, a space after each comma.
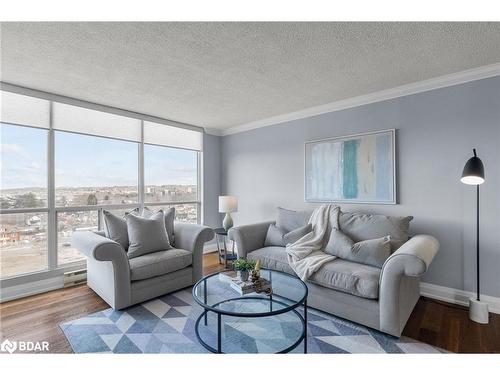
{"points": [[36, 318]]}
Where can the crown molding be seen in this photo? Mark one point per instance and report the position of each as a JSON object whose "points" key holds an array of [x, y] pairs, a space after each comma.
{"points": [[458, 78]]}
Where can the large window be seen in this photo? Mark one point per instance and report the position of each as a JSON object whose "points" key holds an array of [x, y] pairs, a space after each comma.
{"points": [[171, 175], [23, 184], [91, 170], [67, 223], [23, 243], [61, 165], [23, 167]]}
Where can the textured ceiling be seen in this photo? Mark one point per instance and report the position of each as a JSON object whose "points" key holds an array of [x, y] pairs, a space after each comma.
{"points": [[220, 75]]}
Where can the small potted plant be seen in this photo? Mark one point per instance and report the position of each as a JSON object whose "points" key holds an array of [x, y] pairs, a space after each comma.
{"points": [[243, 268]]}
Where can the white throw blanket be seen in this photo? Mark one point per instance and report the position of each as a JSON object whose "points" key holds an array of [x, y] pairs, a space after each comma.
{"points": [[305, 255]]}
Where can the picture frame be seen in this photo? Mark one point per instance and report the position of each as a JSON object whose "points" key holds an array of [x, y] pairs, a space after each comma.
{"points": [[357, 168]]}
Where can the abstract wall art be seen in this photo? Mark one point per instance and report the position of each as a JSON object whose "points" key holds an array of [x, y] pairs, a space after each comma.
{"points": [[357, 169]]}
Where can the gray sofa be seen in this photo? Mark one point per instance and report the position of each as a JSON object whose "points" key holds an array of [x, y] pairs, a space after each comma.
{"points": [[123, 282], [382, 299]]}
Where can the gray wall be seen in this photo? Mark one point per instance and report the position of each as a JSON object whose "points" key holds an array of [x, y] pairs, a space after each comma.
{"points": [[211, 180], [436, 131]]}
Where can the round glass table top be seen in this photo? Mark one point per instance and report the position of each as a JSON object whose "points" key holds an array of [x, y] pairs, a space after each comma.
{"points": [[215, 293]]}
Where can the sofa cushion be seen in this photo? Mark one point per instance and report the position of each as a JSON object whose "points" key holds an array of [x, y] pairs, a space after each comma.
{"points": [[159, 263], [146, 235], [362, 227], [277, 236], [290, 220], [349, 277], [371, 252], [272, 257]]}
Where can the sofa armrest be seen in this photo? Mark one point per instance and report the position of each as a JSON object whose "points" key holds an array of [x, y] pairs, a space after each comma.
{"points": [[399, 281], [192, 237], [413, 258], [249, 237]]}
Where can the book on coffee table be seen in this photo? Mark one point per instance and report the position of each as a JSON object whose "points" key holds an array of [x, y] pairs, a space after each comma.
{"points": [[228, 276], [242, 287], [245, 287]]}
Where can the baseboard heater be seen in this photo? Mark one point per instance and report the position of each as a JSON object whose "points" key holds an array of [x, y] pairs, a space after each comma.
{"points": [[75, 278]]}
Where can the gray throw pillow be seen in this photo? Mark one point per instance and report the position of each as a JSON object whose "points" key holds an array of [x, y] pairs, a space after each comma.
{"points": [[296, 234], [146, 235], [277, 236], [289, 220], [115, 228], [372, 252], [274, 236], [136, 212], [169, 221], [362, 227]]}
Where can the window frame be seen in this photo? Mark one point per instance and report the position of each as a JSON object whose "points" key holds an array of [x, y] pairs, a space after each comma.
{"points": [[53, 267]]}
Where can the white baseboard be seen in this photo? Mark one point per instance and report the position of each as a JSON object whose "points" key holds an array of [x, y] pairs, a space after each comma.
{"points": [[456, 296], [31, 288], [209, 250], [209, 247]]}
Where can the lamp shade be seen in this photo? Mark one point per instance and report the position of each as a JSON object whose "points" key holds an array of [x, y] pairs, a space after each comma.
{"points": [[473, 173], [228, 203]]}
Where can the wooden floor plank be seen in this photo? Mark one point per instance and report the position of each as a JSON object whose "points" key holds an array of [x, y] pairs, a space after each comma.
{"points": [[37, 318]]}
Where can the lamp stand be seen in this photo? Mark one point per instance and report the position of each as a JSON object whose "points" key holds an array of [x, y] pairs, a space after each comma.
{"points": [[478, 311], [228, 222]]}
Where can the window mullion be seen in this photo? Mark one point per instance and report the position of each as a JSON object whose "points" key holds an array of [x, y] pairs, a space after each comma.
{"points": [[141, 189], [52, 219], [199, 188]]}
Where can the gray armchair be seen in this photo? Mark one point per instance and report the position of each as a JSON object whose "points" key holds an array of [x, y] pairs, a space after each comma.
{"points": [[123, 282]]}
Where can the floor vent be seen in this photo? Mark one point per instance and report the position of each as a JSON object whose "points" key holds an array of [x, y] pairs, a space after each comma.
{"points": [[75, 278]]}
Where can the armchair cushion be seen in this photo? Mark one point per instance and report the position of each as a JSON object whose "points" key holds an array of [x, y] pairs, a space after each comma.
{"points": [[116, 228], [146, 235], [169, 221], [159, 263]]}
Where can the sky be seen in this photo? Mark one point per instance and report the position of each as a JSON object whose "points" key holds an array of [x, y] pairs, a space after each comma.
{"points": [[82, 160]]}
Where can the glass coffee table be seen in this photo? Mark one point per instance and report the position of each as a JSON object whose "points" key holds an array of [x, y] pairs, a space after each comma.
{"points": [[252, 323]]}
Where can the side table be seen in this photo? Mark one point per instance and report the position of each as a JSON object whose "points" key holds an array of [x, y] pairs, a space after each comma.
{"points": [[220, 237]]}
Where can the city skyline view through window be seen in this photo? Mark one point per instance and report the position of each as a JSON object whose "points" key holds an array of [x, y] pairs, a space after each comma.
{"points": [[88, 170]]}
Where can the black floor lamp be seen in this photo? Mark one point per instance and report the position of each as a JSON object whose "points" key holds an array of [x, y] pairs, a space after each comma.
{"points": [[473, 174]]}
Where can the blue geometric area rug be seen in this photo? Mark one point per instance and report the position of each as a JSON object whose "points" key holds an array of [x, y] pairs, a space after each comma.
{"points": [[167, 325]]}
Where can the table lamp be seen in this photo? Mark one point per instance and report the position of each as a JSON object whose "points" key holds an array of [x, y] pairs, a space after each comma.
{"points": [[473, 174], [227, 204]]}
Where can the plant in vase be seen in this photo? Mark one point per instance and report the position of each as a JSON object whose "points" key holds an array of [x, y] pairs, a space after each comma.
{"points": [[243, 268]]}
